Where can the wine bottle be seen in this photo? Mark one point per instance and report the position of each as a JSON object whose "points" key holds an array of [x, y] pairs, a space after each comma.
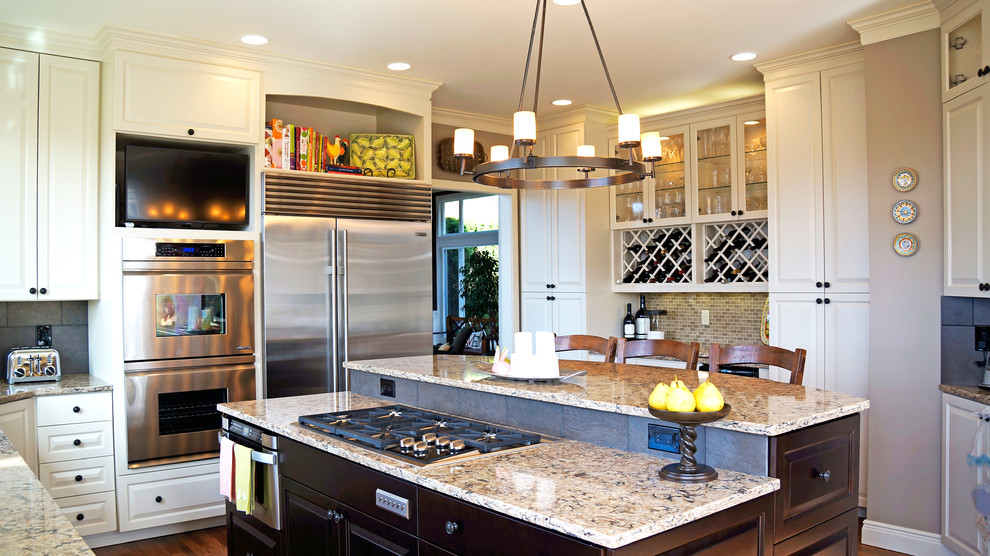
{"points": [[629, 324], [642, 319]]}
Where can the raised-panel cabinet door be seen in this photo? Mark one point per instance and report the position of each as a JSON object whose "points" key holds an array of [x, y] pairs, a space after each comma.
{"points": [[165, 96], [535, 232], [796, 321], [959, 479], [847, 257], [569, 310], [964, 127], [794, 131], [18, 174], [568, 247], [537, 312], [68, 155]]}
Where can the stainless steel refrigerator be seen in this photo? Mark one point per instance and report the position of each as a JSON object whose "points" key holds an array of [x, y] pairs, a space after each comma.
{"points": [[340, 289]]}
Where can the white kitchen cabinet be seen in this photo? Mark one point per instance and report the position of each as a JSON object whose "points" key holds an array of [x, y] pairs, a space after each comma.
{"points": [[816, 132], [965, 54], [559, 312], [552, 228], [960, 480], [179, 98], [966, 145], [17, 423], [660, 201], [50, 114], [168, 497]]}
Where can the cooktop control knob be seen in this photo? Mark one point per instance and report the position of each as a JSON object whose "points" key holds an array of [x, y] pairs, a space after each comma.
{"points": [[443, 443], [406, 444], [430, 438], [420, 448], [456, 446]]}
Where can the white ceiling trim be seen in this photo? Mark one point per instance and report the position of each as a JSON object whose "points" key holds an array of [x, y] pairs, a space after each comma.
{"points": [[901, 22], [478, 122], [814, 60], [49, 42]]}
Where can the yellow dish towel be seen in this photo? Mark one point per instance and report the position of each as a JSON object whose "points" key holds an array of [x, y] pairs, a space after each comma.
{"points": [[243, 479]]}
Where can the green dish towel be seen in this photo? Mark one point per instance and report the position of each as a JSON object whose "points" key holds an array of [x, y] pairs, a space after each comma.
{"points": [[243, 479]]}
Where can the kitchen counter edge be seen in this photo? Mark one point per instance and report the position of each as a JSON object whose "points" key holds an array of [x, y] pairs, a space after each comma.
{"points": [[70, 384]]}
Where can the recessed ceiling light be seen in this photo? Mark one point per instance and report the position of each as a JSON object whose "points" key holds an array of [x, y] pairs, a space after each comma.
{"points": [[743, 56], [398, 66], [566, 2], [254, 40], [561, 102], [751, 122]]}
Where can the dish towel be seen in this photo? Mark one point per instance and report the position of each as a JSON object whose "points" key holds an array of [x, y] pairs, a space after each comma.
{"points": [[227, 468], [243, 479]]}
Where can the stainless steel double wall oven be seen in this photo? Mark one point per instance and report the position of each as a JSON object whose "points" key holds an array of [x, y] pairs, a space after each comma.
{"points": [[188, 309]]}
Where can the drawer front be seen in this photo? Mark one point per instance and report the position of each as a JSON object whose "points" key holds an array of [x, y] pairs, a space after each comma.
{"points": [[473, 523], [74, 408], [90, 513], [75, 477], [66, 442], [158, 500], [818, 468], [839, 535]]}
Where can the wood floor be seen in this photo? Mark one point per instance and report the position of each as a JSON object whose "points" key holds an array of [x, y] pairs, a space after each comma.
{"points": [[213, 542]]}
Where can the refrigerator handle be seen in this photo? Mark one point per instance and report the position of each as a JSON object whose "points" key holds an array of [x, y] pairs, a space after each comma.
{"points": [[343, 303], [332, 268]]}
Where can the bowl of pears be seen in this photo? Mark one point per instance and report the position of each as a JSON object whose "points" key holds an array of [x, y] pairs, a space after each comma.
{"points": [[675, 403]]}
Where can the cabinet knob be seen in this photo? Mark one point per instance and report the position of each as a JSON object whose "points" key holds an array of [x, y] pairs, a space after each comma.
{"points": [[553, 286], [827, 301], [818, 284], [191, 131], [828, 285], [645, 221], [33, 291], [451, 527], [76, 409], [336, 516], [158, 499], [740, 213], [43, 291], [980, 286], [733, 213], [80, 517], [818, 301], [651, 220], [549, 286], [825, 476], [549, 298], [78, 478], [979, 72], [77, 442]]}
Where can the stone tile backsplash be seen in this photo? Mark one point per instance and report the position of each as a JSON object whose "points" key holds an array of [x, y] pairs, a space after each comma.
{"points": [[960, 316], [734, 317], [70, 330]]}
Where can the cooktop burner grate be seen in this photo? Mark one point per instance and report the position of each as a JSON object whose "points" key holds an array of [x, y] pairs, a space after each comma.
{"points": [[417, 435]]}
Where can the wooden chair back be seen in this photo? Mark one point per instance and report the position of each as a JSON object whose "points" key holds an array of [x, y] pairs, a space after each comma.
{"points": [[682, 351], [760, 354], [596, 344]]}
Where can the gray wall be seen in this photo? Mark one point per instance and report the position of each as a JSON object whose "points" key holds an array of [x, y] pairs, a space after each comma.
{"points": [[904, 128], [441, 132], [70, 330], [960, 317]]}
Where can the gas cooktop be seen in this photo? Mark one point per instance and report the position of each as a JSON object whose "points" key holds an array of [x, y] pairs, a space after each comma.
{"points": [[416, 435]]}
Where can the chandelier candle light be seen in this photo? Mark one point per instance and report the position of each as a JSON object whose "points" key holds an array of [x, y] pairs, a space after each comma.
{"points": [[498, 171]]}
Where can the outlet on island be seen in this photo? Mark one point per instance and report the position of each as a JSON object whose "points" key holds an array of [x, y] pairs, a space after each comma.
{"points": [[665, 439], [388, 387]]}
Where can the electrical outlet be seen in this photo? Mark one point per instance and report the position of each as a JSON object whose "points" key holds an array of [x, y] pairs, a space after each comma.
{"points": [[44, 337], [388, 387], [983, 338], [665, 439], [706, 317]]}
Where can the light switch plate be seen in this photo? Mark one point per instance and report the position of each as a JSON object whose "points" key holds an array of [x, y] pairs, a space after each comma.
{"points": [[705, 317]]}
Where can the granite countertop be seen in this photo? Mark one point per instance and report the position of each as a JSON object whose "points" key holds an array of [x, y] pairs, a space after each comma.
{"points": [[601, 495], [70, 384], [974, 393], [32, 523], [759, 406]]}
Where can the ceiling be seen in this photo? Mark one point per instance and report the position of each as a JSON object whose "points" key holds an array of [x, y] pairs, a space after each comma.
{"points": [[662, 55]]}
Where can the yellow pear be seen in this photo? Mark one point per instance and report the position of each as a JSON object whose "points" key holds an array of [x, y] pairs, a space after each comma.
{"points": [[701, 388], [658, 398], [680, 400], [710, 399], [678, 384]]}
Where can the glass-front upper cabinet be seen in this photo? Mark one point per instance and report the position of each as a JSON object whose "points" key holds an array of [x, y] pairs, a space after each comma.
{"points": [[752, 199], [964, 56], [714, 164], [662, 200]]}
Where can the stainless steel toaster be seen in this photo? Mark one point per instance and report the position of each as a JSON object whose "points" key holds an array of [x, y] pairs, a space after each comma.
{"points": [[33, 365]]}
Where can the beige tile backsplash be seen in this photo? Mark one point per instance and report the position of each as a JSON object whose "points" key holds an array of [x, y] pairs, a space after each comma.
{"points": [[735, 317]]}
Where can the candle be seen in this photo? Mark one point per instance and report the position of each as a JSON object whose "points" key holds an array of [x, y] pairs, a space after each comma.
{"points": [[524, 126], [523, 342], [586, 150], [629, 129], [463, 142]]}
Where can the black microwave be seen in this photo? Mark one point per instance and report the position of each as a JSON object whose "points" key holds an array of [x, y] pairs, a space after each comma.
{"points": [[167, 187]]}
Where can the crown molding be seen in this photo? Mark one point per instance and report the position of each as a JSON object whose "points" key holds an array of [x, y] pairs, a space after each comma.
{"points": [[580, 114], [49, 42], [479, 122], [899, 22], [699, 113], [813, 60]]}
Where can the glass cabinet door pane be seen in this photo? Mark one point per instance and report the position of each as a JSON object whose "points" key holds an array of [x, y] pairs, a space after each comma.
{"points": [[629, 202], [755, 145], [714, 170], [965, 51], [669, 188]]}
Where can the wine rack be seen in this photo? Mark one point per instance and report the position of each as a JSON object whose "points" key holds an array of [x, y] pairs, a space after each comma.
{"points": [[657, 256], [735, 252]]}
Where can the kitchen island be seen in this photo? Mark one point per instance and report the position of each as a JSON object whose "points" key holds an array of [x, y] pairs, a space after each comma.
{"points": [[601, 496]]}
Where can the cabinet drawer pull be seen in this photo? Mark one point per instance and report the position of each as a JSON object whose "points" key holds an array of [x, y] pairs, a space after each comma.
{"points": [[191, 132], [158, 499], [80, 517], [33, 291], [336, 516], [451, 527], [43, 291], [76, 409], [77, 442], [825, 476], [78, 478]]}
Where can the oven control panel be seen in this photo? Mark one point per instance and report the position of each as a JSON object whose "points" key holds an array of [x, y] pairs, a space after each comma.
{"points": [[167, 249]]}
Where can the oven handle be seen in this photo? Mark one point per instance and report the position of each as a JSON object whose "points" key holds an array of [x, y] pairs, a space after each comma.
{"points": [[264, 458], [187, 266]]}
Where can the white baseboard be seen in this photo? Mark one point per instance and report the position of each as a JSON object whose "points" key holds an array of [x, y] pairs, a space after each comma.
{"points": [[902, 539], [107, 539]]}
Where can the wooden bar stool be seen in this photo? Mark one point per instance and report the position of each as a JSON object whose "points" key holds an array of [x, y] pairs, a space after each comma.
{"points": [[585, 342], [759, 354], [687, 352]]}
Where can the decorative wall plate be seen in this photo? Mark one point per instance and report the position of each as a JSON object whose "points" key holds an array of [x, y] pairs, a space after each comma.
{"points": [[905, 245], [905, 212], [905, 179]]}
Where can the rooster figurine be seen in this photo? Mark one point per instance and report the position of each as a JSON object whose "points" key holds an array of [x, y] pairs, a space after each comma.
{"points": [[338, 151]]}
